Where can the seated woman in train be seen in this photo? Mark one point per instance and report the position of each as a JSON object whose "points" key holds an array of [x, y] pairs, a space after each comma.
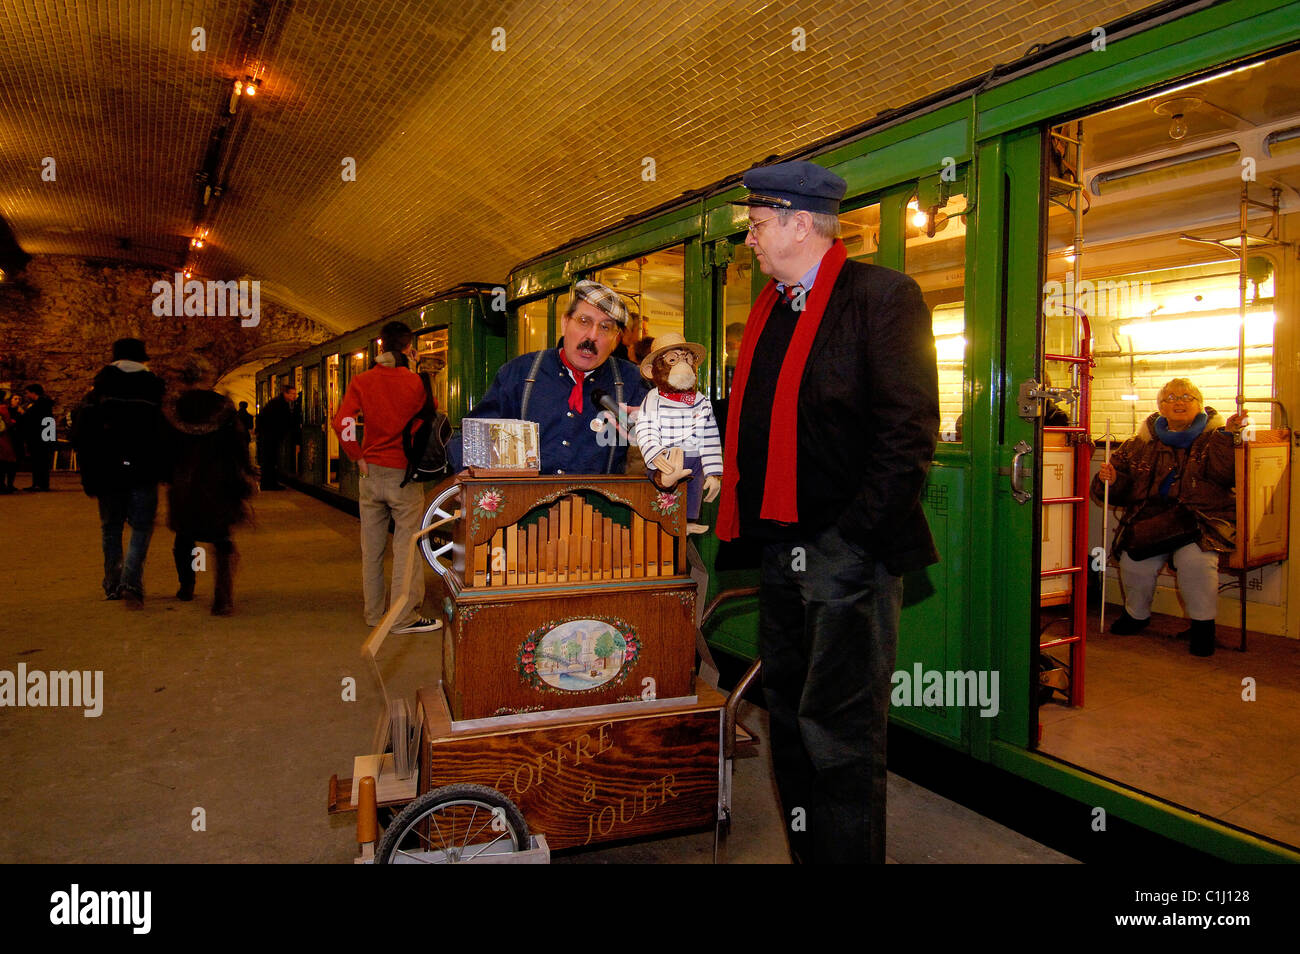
{"points": [[1175, 480]]}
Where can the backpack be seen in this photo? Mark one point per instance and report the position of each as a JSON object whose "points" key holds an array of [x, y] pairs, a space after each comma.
{"points": [[426, 447]]}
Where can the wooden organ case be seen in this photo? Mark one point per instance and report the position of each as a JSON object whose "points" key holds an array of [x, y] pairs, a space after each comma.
{"points": [[562, 592]]}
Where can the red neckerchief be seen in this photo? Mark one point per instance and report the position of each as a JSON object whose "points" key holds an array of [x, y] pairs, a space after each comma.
{"points": [[781, 486], [575, 396], [681, 397]]}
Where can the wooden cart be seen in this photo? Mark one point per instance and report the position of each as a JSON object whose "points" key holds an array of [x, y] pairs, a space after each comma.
{"points": [[570, 712]]}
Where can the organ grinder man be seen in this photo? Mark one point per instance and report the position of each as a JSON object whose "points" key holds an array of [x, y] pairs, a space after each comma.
{"points": [[555, 388]]}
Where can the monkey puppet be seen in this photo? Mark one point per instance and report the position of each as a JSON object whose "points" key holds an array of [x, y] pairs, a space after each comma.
{"points": [[676, 429]]}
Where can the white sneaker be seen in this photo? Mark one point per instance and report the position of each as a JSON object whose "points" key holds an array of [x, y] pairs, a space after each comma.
{"points": [[419, 625]]}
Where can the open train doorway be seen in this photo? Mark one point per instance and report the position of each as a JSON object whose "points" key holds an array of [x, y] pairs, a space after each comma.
{"points": [[1169, 322]]}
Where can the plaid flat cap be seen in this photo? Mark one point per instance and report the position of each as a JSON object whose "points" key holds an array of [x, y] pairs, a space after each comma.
{"points": [[604, 298]]}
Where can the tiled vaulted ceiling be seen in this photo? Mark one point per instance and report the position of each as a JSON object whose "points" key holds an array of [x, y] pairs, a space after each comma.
{"points": [[468, 158]]}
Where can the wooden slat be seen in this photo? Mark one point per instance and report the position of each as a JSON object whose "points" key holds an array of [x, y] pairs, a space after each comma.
{"points": [[638, 545], [665, 553], [606, 549], [551, 562], [512, 555], [566, 516], [627, 552], [497, 574], [575, 558], [651, 548], [543, 566], [532, 554], [562, 560], [587, 514], [480, 564]]}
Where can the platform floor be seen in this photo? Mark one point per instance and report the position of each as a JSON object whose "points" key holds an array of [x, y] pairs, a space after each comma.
{"points": [[218, 735]]}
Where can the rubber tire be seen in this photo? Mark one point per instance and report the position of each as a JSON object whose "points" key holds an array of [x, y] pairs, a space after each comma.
{"points": [[434, 799]]}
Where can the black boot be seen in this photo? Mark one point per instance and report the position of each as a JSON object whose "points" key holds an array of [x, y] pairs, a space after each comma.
{"points": [[223, 601], [182, 550], [1201, 637], [1127, 625]]}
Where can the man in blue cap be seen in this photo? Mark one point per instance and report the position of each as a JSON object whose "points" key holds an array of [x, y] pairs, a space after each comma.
{"points": [[554, 387], [831, 428]]}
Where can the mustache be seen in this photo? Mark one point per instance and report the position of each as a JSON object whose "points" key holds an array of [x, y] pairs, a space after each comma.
{"points": [[585, 345]]}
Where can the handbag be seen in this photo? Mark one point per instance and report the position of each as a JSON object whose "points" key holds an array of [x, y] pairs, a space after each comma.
{"points": [[1163, 531]]}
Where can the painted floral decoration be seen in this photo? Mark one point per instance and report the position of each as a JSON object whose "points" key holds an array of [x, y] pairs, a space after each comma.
{"points": [[487, 503], [666, 503]]}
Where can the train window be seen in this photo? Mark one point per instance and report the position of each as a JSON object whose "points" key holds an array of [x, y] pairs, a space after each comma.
{"points": [[656, 287], [737, 298], [356, 364], [431, 357], [532, 318], [860, 232], [311, 402], [938, 263]]}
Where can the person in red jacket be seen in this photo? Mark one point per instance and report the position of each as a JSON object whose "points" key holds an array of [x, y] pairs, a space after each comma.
{"points": [[387, 398]]}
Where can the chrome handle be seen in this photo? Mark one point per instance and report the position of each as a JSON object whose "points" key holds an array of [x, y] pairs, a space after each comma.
{"points": [[1018, 491]]}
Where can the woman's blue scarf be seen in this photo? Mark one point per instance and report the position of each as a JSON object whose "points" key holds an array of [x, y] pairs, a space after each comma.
{"points": [[1178, 439], [1181, 439]]}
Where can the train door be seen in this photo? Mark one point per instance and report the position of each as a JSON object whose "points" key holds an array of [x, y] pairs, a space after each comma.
{"points": [[1175, 260], [314, 426], [333, 398]]}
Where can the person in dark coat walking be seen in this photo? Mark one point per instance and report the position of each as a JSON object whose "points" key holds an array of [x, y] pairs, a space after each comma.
{"points": [[38, 430], [212, 479], [118, 432]]}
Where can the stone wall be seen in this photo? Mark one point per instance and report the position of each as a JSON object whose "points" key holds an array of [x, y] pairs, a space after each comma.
{"points": [[59, 318]]}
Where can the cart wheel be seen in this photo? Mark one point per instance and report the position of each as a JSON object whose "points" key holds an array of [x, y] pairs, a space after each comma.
{"points": [[454, 824], [434, 548]]}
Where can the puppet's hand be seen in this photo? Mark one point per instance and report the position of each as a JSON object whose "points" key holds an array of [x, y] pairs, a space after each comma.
{"points": [[712, 486]]}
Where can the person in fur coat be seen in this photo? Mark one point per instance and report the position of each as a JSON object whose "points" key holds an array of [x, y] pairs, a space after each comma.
{"points": [[212, 479], [1176, 481]]}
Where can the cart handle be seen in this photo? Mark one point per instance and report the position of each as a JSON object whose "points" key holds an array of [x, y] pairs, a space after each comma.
{"points": [[733, 703], [723, 597], [370, 648]]}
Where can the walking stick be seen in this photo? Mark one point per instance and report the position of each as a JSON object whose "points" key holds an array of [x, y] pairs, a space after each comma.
{"points": [[1105, 530]]}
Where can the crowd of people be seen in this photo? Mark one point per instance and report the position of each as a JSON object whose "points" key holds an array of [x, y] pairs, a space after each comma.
{"points": [[27, 437]]}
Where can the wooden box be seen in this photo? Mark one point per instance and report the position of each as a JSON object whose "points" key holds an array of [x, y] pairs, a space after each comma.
{"points": [[591, 775], [1263, 467], [566, 592]]}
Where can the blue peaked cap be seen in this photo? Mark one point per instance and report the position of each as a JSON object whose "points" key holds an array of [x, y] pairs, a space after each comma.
{"points": [[797, 185]]}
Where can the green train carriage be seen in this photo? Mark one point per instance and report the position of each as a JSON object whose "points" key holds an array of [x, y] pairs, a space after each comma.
{"points": [[983, 193]]}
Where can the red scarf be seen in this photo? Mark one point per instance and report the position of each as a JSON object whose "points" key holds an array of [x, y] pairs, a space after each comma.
{"points": [[781, 486], [681, 397], [575, 396]]}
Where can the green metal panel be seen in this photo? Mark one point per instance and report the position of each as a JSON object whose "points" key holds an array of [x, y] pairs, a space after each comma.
{"points": [[1198, 41], [673, 227], [1014, 641], [932, 627], [697, 294]]}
